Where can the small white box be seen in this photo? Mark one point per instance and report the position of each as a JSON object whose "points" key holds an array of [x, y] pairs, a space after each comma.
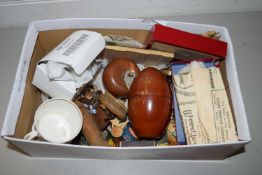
{"points": [[25, 97], [76, 52]]}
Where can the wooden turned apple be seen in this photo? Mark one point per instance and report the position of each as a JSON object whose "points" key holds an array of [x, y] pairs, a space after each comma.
{"points": [[114, 75]]}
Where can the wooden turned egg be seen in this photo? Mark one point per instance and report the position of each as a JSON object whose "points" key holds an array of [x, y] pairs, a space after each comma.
{"points": [[149, 104], [114, 74]]}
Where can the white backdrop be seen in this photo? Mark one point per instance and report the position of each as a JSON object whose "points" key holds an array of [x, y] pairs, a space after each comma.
{"points": [[21, 12]]}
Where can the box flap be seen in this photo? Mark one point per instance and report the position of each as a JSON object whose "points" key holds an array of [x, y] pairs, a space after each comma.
{"points": [[236, 95], [189, 152], [105, 23], [18, 88]]}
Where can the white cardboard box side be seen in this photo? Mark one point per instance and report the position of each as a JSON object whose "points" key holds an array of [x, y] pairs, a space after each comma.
{"points": [[107, 23], [186, 152], [236, 95], [44, 149], [18, 88]]}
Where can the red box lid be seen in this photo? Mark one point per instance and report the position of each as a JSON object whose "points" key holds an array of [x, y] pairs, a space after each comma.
{"points": [[185, 44]]}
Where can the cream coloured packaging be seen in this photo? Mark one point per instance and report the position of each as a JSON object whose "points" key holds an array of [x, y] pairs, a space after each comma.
{"points": [[204, 106]]}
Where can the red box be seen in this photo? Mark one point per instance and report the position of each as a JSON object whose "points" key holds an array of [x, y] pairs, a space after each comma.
{"points": [[186, 45]]}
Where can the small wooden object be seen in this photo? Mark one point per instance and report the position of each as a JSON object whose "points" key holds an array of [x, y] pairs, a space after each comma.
{"points": [[90, 129], [114, 105]]}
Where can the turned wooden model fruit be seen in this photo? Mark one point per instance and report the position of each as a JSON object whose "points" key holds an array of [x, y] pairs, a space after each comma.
{"points": [[114, 73], [149, 104]]}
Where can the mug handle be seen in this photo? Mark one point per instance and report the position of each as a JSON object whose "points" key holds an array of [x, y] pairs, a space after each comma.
{"points": [[31, 135]]}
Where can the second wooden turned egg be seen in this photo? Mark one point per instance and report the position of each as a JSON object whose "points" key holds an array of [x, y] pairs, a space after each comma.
{"points": [[149, 104]]}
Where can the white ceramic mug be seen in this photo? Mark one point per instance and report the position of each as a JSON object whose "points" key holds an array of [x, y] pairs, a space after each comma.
{"points": [[56, 120]]}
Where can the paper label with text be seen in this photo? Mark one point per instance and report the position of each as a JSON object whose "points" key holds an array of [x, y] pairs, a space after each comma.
{"points": [[204, 106], [186, 98]]}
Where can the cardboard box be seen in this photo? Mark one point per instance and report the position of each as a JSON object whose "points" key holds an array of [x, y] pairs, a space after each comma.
{"points": [[43, 36]]}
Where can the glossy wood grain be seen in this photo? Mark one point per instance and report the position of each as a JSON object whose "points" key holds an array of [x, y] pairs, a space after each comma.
{"points": [[114, 73], [149, 104]]}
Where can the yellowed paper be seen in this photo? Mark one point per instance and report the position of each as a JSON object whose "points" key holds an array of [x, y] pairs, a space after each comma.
{"points": [[225, 126], [204, 106], [188, 109], [202, 88]]}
